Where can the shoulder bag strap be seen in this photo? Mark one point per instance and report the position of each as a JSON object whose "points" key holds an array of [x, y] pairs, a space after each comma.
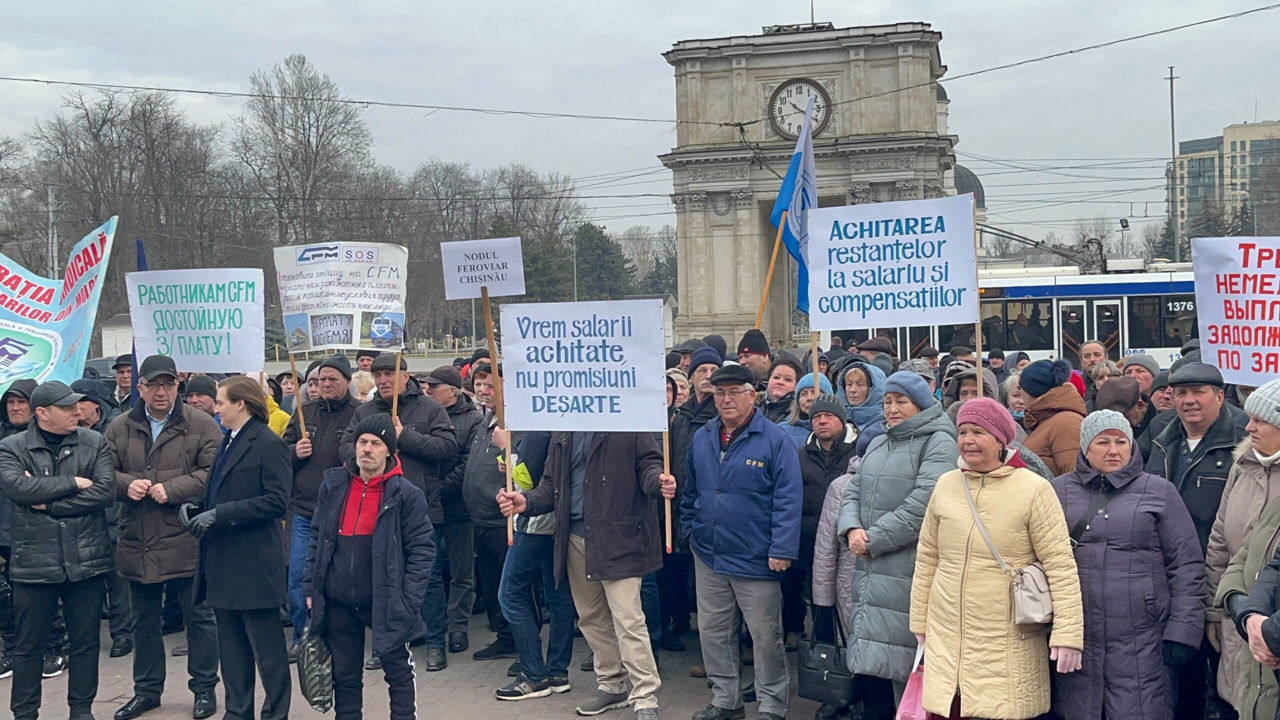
{"points": [[982, 529], [1099, 502]]}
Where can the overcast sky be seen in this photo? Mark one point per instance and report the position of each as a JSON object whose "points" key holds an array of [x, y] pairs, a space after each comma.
{"points": [[1109, 105]]}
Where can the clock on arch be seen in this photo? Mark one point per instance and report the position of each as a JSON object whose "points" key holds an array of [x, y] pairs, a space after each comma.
{"points": [[788, 102]]}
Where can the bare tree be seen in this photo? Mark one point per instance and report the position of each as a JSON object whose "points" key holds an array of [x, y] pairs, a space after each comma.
{"points": [[299, 141]]}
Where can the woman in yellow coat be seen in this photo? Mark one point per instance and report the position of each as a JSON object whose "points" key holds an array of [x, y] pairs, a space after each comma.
{"points": [[978, 663]]}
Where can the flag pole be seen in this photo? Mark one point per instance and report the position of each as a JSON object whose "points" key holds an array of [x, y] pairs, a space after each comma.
{"points": [[813, 349], [977, 335], [666, 470], [297, 399], [499, 408], [768, 278]]}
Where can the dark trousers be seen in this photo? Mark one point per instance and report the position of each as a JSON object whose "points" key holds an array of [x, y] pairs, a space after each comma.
{"points": [[247, 638], [344, 632], [461, 549], [877, 696], [434, 604], [1195, 688], [491, 555], [9, 625], [795, 588], [34, 607], [148, 653], [674, 581], [119, 607]]}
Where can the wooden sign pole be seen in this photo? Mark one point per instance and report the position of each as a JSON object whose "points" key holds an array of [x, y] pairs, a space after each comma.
{"points": [[297, 393], [977, 336], [498, 407], [666, 470], [395, 396], [768, 278]]}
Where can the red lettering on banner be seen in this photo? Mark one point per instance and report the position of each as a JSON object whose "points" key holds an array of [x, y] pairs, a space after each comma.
{"points": [[1265, 362], [87, 259]]}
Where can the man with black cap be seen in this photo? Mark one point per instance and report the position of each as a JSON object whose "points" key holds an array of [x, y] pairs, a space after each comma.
{"points": [[873, 346], [327, 418], [368, 568], [364, 359], [427, 443], [202, 394], [60, 480], [740, 510], [162, 451], [995, 362], [1195, 453], [1123, 395], [444, 385], [123, 368], [686, 349], [15, 415], [754, 354], [96, 414]]}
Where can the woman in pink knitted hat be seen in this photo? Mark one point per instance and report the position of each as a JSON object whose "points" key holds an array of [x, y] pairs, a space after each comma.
{"points": [[978, 663]]}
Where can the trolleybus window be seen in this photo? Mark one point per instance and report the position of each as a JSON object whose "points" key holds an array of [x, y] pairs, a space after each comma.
{"points": [[1029, 325], [1179, 319], [1144, 322], [1162, 321]]}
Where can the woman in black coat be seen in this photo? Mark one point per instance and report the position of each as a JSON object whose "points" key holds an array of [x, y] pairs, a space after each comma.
{"points": [[241, 574]]}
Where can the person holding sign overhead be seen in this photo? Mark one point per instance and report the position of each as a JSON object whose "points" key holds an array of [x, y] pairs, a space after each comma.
{"points": [[604, 488], [741, 512]]}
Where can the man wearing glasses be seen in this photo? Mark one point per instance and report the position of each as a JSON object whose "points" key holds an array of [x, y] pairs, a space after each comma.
{"points": [[327, 417], [740, 510], [162, 450]]}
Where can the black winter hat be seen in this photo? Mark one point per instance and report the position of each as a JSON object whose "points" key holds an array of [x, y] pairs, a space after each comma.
{"points": [[380, 426], [753, 342], [338, 362], [828, 404], [717, 342], [733, 375], [202, 384], [1042, 376]]}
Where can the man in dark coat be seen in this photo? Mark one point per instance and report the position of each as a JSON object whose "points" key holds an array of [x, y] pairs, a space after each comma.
{"points": [[823, 458], [60, 480], [241, 570], [603, 489], [676, 575], [327, 419], [1123, 395], [162, 450], [1194, 453], [444, 385], [740, 510], [370, 531], [15, 415]]}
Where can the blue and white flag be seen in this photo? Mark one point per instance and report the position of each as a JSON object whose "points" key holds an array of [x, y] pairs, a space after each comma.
{"points": [[798, 193]]}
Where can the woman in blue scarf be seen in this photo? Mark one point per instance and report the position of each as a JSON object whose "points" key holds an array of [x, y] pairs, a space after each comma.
{"points": [[861, 390]]}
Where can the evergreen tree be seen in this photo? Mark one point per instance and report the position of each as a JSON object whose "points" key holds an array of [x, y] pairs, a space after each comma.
{"points": [[1241, 223], [604, 272]]}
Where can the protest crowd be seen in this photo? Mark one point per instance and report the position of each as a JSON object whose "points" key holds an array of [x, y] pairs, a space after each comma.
{"points": [[834, 526]]}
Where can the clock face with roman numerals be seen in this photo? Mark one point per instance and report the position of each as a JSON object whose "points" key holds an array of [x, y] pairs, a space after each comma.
{"points": [[788, 102]]}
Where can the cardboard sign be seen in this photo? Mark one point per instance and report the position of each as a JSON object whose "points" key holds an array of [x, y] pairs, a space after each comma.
{"points": [[1238, 306], [584, 366], [342, 295], [208, 321], [495, 264], [874, 265]]}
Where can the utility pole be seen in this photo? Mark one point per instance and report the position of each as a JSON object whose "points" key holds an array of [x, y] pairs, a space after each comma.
{"points": [[575, 267], [53, 234], [1173, 174]]}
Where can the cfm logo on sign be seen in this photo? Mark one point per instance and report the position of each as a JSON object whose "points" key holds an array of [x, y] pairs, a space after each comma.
{"points": [[317, 254]]}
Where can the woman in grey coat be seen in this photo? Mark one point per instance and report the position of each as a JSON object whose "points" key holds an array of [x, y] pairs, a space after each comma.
{"points": [[880, 516], [1141, 579]]}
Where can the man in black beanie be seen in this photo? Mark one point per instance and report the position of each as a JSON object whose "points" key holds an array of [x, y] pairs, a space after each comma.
{"points": [[327, 416], [372, 532], [754, 354]]}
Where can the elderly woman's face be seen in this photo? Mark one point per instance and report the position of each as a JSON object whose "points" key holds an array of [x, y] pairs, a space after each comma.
{"points": [[1264, 436], [979, 448], [1109, 451], [805, 400], [856, 387], [1015, 401], [898, 407]]}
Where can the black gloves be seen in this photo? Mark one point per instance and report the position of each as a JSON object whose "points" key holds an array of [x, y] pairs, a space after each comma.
{"points": [[1176, 655], [824, 623], [195, 522]]}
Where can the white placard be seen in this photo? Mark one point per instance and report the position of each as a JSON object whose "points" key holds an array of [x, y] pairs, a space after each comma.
{"points": [[1238, 306], [342, 295], [206, 320], [584, 366], [495, 263], [880, 264]]}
